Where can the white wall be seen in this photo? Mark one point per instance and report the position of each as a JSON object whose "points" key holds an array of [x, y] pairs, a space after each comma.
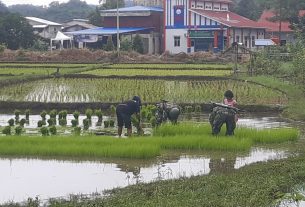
{"points": [[170, 34]]}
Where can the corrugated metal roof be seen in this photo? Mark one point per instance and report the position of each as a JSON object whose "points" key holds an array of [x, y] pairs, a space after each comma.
{"points": [[107, 30], [43, 21], [274, 26], [228, 18], [135, 9]]}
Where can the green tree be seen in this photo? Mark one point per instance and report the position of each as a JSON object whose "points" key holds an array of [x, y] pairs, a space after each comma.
{"points": [[249, 8], [95, 17], [137, 44], [109, 45], [15, 32], [3, 8], [126, 45], [112, 4]]}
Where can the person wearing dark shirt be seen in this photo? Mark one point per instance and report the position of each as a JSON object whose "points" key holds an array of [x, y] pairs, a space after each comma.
{"points": [[124, 111]]}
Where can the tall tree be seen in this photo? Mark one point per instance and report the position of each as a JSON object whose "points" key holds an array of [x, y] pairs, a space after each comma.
{"points": [[112, 4], [95, 18], [3, 8], [15, 32], [249, 8]]}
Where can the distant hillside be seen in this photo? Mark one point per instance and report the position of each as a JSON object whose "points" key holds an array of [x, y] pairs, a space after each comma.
{"points": [[56, 12]]}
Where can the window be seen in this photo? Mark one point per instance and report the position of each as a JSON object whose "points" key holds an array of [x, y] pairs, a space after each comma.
{"points": [[246, 41], [208, 7], [237, 38], [216, 8], [177, 41], [253, 41], [192, 43]]}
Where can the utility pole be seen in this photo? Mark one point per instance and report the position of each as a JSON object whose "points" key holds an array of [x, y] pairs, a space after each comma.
{"points": [[118, 28], [280, 22]]}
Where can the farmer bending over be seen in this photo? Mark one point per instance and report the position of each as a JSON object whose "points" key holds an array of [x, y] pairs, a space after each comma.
{"points": [[224, 113], [124, 112]]}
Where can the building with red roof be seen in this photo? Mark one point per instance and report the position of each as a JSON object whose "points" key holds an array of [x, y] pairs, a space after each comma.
{"points": [[206, 25], [273, 28]]}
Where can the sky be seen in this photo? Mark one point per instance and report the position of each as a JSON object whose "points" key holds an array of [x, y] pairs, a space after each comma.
{"points": [[41, 2]]}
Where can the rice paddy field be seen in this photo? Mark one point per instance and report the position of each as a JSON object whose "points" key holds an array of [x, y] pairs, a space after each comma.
{"points": [[167, 144], [107, 90]]}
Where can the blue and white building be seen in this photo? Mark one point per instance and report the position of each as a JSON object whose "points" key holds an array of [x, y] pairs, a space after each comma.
{"points": [[206, 25]]}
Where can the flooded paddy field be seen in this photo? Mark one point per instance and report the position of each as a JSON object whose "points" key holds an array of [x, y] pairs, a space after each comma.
{"points": [[48, 178]]}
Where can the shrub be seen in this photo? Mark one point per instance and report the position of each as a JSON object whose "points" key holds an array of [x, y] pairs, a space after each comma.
{"points": [[44, 131], [137, 44], [18, 130], [109, 45], [53, 130], [126, 45], [11, 122], [7, 130]]}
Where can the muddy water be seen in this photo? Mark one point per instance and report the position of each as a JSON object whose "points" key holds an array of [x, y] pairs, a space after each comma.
{"points": [[254, 120], [23, 178]]}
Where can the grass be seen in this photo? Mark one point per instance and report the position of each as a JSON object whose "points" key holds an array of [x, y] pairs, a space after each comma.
{"points": [[296, 100], [167, 137], [157, 72]]}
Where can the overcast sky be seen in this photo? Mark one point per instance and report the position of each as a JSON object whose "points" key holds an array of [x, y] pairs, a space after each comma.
{"points": [[41, 2]]}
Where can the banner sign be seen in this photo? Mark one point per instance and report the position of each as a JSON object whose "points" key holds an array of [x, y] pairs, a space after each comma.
{"points": [[201, 34], [178, 15]]}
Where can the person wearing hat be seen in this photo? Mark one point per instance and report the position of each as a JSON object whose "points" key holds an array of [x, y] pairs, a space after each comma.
{"points": [[224, 113], [124, 111]]}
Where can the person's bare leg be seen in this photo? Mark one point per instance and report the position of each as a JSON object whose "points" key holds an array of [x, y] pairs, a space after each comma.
{"points": [[129, 131], [120, 129]]}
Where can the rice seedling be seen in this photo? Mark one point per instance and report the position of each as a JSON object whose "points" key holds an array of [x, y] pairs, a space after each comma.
{"points": [[108, 90]]}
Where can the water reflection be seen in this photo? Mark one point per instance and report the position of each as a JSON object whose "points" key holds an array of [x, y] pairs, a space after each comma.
{"points": [[23, 178]]}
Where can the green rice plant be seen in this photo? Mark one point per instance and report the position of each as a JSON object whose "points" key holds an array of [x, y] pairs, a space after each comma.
{"points": [[53, 130], [86, 124], [11, 122], [106, 124], [44, 131], [62, 114], [18, 130], [99, 115], [153, 122], [74, 122], [27, 114], [77, 131], [112, 110], [51, 121], [17, 115], [41, 123], [182, 129], [62, 122], [268, 135], [43, 115], [188, 109], [197, 109], [76, 114], [111, 123], [7, 130], [89, 113], [53, 113], [22, 122]]}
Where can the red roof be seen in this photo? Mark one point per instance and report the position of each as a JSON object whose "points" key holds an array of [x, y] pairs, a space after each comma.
{"points": [[228, 18], [274, 26]]}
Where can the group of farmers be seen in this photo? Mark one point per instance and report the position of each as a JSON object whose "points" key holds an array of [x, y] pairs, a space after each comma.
{"points": [[225, 112]]}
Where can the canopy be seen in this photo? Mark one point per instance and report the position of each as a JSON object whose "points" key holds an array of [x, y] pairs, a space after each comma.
{"points": [[61, 37]]}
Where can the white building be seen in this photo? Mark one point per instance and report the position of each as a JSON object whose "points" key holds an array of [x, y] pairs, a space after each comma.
{"points": [[206, 25], [148, 2], [44, 28]]}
